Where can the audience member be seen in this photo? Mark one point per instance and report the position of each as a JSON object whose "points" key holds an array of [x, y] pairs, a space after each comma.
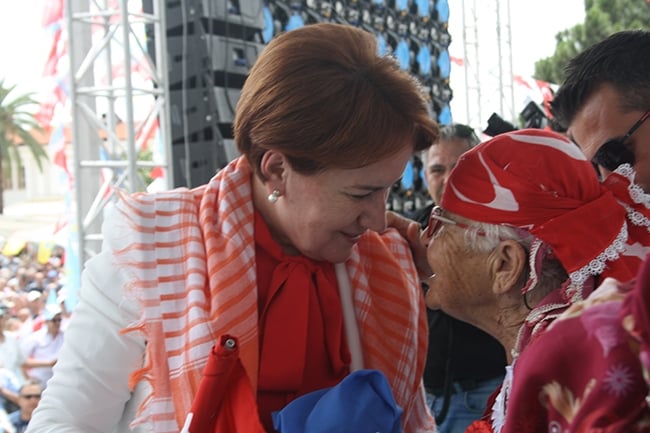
{"points": [[284, 250], [10, 355], [464, 364], [41, 349], [604, 103], [11, 374], [24, 316], [29, 398], [526, 213]]}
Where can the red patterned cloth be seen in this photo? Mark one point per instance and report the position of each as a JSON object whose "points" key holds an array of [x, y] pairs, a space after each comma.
{"points": [[549, 189], [582, 375]]}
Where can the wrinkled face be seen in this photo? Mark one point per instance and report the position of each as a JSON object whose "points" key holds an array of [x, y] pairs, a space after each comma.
{"points": [[461, 282], [441, 158], [602, 118], [323, 216]]}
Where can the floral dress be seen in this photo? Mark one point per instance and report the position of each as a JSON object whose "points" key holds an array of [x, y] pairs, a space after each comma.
{"points": [[584, 373]]}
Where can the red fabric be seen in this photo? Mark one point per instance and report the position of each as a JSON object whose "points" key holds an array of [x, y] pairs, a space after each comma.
{"points": [[54, 55], [300, 350], [52, 12], [626, 270], [581, 375], [548, 188], [635, 317], [224, 375]]}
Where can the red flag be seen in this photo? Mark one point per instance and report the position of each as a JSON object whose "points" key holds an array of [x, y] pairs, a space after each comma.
{"points": [[54, 55], [146, 131], [46, 112], [518, 79], [156, 173], [457, 60], [547, 94], [56, 147], [52, 12], [225, 401]]}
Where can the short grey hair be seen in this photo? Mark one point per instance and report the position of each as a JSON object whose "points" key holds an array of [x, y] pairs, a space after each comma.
{"points": [[451, 132], [484, 237]]}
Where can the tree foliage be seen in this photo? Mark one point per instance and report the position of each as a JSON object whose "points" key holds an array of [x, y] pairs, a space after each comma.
{"points": [[17, 122], [602, 18]]}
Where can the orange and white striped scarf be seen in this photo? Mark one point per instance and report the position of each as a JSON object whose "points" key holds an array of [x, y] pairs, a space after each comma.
{"points": [[191, 255]]}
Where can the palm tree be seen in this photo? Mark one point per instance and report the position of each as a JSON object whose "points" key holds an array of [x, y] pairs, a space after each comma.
{"points": [[16, 124]]}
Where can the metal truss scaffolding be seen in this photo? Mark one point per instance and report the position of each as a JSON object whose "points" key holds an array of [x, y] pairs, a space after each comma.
{"points": [[488, 61], [118, 95]]}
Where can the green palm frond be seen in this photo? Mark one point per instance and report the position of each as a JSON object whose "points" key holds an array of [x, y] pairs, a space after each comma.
{"points": [[17, 122]]}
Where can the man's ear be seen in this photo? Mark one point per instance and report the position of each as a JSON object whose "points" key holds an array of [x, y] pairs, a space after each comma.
{"points": [[272, 166], [508, 263]]}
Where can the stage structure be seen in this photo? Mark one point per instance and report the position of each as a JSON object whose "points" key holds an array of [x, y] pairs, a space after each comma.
{"points": [[212, 44], [114, 82], [197, 55], [486, 41]]}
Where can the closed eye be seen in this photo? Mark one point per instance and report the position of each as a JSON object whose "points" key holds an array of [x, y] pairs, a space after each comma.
{"points": [[360, 196]]}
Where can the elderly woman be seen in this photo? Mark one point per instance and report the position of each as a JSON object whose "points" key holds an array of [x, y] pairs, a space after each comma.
{"points": [[525, 230]]}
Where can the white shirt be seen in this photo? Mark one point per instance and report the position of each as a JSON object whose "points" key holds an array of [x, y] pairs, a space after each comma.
{"points": [[11, 357], [42, 346]]}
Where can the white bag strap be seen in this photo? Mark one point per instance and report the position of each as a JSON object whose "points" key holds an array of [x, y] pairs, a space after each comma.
{"points": [[349, 318]]}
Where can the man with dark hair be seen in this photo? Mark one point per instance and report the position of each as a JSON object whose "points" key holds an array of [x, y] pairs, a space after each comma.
{"points": [[28, 398], [464, 364], [604, 103]]}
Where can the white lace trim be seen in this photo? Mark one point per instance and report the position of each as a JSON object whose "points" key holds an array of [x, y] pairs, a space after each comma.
{"points": [[501, 401], [636, 192], [597, 265], [636, 217], [532, 263]]}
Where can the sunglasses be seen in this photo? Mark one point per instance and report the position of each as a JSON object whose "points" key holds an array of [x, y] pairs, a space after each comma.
{"points": [[31, 396], [436, 221], [617, 151]]}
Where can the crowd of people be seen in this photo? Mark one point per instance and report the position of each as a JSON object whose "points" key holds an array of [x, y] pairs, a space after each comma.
{"points": [[517, 301], [33, 316]]}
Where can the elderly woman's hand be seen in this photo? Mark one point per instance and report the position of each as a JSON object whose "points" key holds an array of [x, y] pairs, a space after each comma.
{"points": [[411, 231]]}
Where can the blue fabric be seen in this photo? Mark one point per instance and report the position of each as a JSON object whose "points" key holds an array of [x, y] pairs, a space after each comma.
{"points": [[401, 5], [444, 118], [403, 54], [360, 403], [444, 64], [423, 7], [442, 6], [269, 26], [424, 60], [382, 45], [295, 22], [407, 176], [19, 424], [464, 406]]}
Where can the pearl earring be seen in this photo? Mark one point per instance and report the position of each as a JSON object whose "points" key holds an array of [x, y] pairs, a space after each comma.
{"points": [[274, 196]]}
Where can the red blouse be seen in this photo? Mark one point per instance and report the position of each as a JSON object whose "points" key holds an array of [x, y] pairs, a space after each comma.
{"points": [[302, 342]]}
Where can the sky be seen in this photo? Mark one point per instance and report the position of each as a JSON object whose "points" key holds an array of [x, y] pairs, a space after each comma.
{"points": [[24, 44], [533, 26]]}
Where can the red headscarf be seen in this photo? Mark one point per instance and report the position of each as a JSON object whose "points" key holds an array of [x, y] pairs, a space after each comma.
{"points": [[540, 181]]}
